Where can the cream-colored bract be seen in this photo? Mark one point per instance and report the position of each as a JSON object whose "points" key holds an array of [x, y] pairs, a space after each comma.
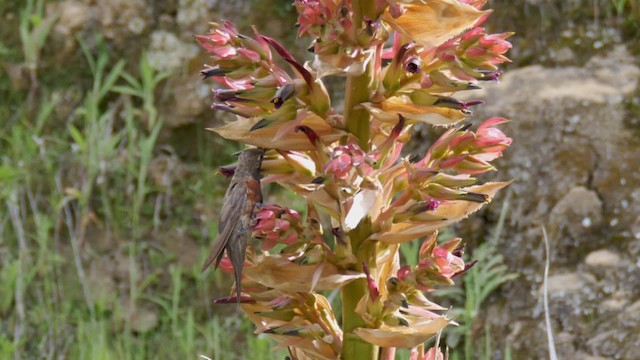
{"points": [[403, 336], [240, 130], [431, 23], [445, 215]]}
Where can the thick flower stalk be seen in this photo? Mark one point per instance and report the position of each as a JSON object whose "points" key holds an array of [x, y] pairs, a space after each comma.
{"points": [[403, 62]]}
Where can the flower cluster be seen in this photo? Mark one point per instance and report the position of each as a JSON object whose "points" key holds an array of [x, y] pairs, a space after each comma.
{"points": [[262, 94], [424, 71], [471, 56], [402, 304], [398, 314], [275, 224], [338, 38], [437, 264], [465, 152], [241, 61], [362, 197], [346, 161]]}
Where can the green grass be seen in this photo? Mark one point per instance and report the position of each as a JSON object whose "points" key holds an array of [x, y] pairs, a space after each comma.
{"points": [[86, 261]]}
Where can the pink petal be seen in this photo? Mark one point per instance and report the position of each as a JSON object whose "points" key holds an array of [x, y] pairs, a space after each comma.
{"points": [[403, 272], [476, 51], [268, 244], [292, 238], [492, 122], [452, 161], [251, 55], [281, 225]]}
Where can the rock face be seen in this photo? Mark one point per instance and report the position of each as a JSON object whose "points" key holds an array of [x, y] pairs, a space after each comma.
{"points": [[576, 165], [602, 259], [163, 30]]}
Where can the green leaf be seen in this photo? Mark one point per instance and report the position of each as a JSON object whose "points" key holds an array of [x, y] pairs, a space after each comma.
{"points": [[126, 90], [78, 138], [7, 173], [8, 276], [135, 84], [111, 78]]}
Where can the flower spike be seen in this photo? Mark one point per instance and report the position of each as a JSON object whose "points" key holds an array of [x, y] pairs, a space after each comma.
{"points": [[347, 169]]}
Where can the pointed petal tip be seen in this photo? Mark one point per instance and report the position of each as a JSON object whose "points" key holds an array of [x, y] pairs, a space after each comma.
{"points": [[259, 125]]}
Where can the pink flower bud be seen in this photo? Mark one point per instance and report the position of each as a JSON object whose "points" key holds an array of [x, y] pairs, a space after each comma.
{"points": [[474, 164], [434, 354], [447, 263], [461, 140], [403, 272], [439, 264], [472, 34], [452, 161], [275, 224], [226, 265], [476, 51], [490, 139], [340, 166], [496, 43], [396, 10], [250, 56], [374, 293], [344, 159], [310, 13]]}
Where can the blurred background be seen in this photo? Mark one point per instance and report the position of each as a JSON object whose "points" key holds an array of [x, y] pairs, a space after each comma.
{"points": [[109, 196]]}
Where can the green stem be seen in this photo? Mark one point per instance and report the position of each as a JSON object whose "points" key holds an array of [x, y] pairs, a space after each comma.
{"points": [[354, 347], [357, 118], [359, 88]]}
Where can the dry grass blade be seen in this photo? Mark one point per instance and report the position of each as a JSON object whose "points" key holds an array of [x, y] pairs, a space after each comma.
{"points": [[16, 222], [545, 294]]}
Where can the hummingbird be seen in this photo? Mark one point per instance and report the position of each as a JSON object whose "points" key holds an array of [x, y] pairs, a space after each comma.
{"points": [[236, 217]]}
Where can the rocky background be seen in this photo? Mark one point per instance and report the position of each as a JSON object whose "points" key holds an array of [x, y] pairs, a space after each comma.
{"points": [[576, 169], [572, 94]]}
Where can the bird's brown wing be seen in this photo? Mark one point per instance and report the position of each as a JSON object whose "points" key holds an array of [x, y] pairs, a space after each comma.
{"points": [[234, 202]]}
